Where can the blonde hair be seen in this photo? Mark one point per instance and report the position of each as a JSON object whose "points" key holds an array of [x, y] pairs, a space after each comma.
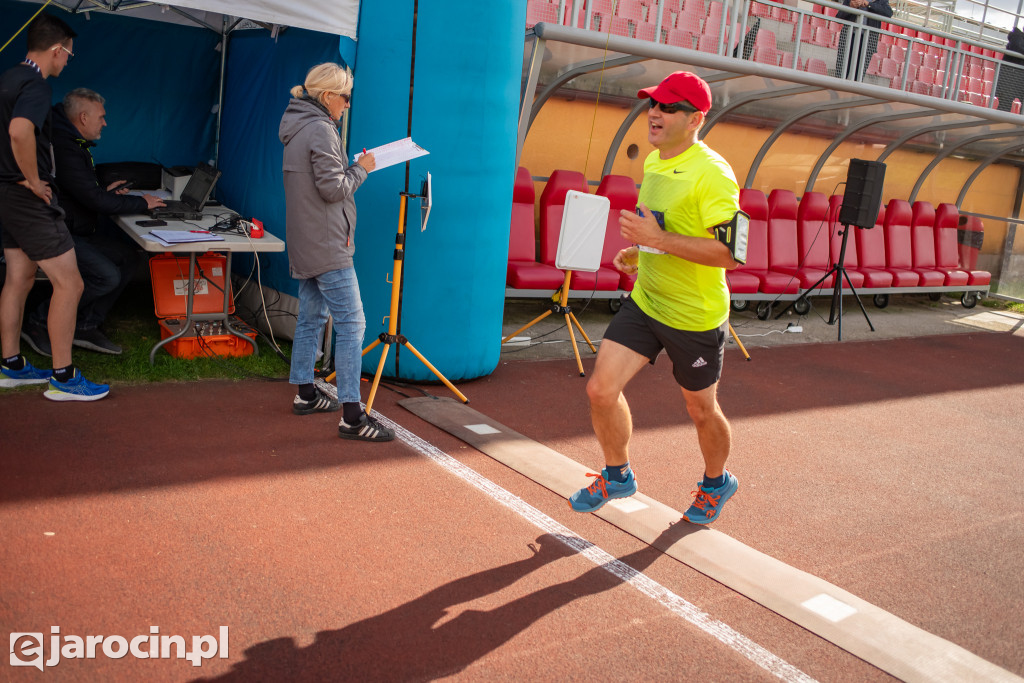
{"points": [[325, 78]]}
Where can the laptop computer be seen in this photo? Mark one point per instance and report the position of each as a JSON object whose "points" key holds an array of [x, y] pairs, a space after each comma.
{"points": [[193, 198]]}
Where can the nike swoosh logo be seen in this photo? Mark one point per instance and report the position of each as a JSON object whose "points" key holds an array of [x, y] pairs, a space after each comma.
{"points": [[677, 171]]}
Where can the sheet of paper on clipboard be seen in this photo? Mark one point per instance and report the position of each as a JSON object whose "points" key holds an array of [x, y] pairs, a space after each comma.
{"points": [[397, 152]]}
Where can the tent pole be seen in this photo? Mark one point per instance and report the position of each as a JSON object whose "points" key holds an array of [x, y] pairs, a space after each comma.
{"points": [[220, 92]]}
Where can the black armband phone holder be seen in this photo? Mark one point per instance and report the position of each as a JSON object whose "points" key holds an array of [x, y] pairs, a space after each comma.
{"points": [[734, 235]]}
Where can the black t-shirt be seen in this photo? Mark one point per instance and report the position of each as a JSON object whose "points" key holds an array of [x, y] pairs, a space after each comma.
{"points": [[24, 93]]}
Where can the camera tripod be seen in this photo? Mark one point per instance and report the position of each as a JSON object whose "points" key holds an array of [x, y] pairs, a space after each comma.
{"points": [[392, 336], [560, 300]]}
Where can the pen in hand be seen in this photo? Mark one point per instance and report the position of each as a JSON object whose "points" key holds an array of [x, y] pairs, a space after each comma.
{"points": [[367, 161]]}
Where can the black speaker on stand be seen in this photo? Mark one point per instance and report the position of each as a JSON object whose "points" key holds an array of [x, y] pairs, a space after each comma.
{"points": [[861, 202], [863, 196]]}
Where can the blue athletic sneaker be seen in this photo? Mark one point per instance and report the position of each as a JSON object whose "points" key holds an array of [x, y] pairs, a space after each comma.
{"points": [[77, 388], [709, 502], [593, 497], [27, 375]]}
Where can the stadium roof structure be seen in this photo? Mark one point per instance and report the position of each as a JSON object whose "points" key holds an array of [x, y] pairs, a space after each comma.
{"points": [[784, 100]]}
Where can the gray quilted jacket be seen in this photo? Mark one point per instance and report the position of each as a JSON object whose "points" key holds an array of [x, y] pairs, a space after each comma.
{"points": [[319, 191]]}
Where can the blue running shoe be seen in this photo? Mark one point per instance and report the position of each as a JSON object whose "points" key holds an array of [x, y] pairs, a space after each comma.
{"points": [[27, 375], [593, 497], [709, 502], [77, 388]]}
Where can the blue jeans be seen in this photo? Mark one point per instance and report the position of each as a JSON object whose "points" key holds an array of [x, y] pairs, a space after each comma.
{"points": [[336, 291]]}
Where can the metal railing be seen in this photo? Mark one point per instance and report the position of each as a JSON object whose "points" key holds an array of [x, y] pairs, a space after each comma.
{"points": [[954, 65]]}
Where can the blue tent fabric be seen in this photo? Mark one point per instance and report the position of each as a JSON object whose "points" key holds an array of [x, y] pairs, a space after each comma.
{"points": [[465, 102], [159, 81], [260, 72]]}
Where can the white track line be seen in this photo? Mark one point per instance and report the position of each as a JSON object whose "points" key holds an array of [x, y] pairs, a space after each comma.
{"points": [[688, 611]]}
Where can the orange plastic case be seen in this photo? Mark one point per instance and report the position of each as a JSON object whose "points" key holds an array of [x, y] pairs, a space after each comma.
{"points": [[169, 274]]}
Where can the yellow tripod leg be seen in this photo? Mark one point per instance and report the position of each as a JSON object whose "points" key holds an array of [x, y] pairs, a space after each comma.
{"points": [[527, 325], [376, 378], [372, 346], [738, 342], [436, 372], [580, 328]]}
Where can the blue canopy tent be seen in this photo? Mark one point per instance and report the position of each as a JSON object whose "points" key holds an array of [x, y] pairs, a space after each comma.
{"points": [[449, 76]]}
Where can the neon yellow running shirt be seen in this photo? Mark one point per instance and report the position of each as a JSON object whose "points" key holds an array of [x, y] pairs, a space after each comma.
{"points": [[694, 190]]}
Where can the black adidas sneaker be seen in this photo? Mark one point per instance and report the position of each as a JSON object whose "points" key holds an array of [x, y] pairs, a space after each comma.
{"points": [[321, 403], [367, 429]]}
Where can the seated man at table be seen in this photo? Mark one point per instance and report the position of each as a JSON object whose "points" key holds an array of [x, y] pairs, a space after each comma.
{"points": [[107, 259]]}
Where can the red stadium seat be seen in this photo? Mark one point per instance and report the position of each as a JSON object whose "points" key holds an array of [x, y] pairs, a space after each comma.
{"points": [[816, 66], [783, 256], [648, 32], [812, 231], [695, 6], [767, 55], [947, 259], [743, 280], [523, 270], [541, 10], [875, 65], [898, 252], [691, 19], [922, 245], [552, 206], [680, 38], [870, 251], [760, 9], [970, 235], [851, 260], [765, 38], [631, 10], [747, 278]]}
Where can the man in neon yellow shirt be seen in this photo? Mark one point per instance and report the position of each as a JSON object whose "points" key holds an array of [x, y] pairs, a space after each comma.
{"points": [[680, 302]]}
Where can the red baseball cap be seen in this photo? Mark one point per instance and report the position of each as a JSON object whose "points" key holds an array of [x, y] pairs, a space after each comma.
{"points": [[680, 86]]}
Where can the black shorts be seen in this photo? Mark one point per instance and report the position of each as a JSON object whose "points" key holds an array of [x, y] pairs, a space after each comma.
{"points": [[696, 356], [31, 225]]}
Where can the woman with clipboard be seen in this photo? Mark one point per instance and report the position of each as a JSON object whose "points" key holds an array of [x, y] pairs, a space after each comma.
{"points": [[319, 188]]}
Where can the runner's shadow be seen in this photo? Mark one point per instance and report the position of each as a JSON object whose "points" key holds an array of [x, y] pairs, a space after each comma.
{"points": [[406, 643]]}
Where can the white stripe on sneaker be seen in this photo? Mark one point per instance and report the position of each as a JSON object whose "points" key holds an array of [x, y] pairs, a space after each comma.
{"points": [[370, 431]]}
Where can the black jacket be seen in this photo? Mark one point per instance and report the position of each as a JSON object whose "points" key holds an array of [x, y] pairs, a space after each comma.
{"points": [[1015, 43], [78, 190], [879, 7]]}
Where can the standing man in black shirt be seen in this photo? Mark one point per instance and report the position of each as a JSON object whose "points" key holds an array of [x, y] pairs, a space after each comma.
{"points": [[34, 233]]}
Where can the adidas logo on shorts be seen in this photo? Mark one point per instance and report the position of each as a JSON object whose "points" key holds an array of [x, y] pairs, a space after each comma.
{"points": [[699, 363]]}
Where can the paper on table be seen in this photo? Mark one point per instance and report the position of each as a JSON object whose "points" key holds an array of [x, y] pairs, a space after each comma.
{"points": [[396, 152], [185, 236], [159, 194], [153, 238]]}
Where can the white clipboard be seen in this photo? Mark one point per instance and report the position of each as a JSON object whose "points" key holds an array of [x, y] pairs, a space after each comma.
{"points": [[397, 152]]}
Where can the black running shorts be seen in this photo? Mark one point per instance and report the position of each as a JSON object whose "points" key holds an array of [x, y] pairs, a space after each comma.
{"points": [[31, 225], [696, 356]]}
